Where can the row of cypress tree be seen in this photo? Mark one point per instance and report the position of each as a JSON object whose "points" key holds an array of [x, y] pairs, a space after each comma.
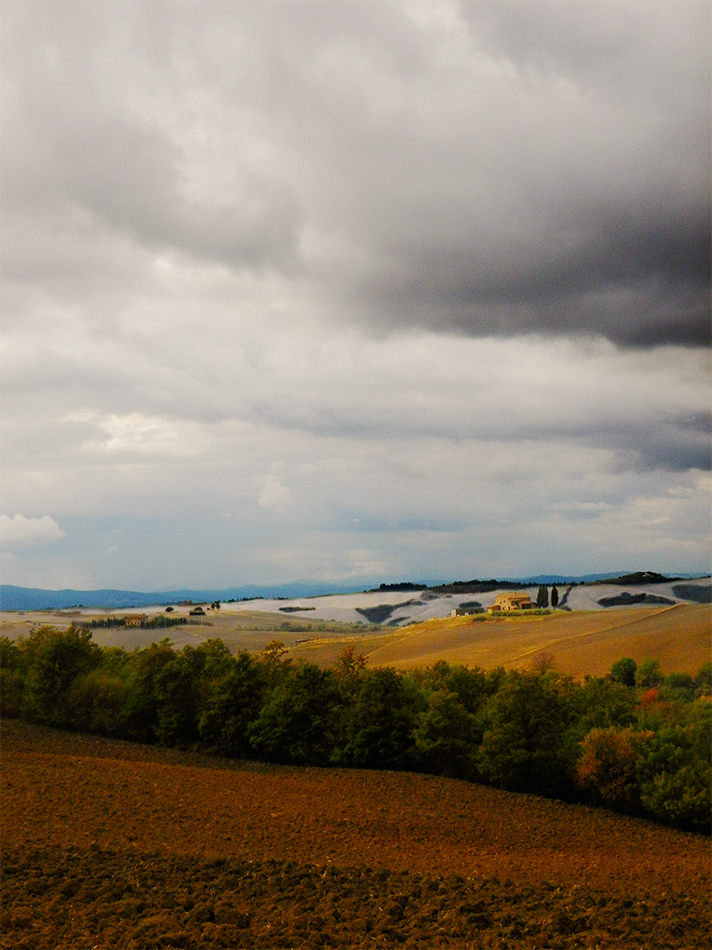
{"points": [[542, 596]]}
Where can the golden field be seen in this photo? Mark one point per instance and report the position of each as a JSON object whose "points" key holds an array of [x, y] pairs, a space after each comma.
{"points": [[581, 642]]}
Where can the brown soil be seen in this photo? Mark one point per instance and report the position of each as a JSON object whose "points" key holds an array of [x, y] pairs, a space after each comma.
{"points": [[109, 844]]}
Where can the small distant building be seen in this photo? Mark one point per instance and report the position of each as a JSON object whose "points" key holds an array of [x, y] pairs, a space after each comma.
{"points": [[510, 600], [134, 620], [465, 611]]}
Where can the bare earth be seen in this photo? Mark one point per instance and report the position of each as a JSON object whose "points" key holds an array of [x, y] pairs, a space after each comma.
{"points": [[109, 844]]}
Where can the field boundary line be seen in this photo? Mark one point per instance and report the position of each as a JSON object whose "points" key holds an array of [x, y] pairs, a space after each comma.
{"points": [[593, 633], [557, 640]]}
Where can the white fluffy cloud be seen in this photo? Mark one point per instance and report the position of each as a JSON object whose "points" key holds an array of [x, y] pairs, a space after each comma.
{"points": [[20, 531]]}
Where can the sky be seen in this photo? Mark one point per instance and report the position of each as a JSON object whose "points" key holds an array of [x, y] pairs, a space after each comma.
{"points": [[353, 291]]}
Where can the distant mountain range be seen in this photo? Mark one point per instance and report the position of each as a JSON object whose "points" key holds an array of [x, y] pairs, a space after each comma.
{"points": [[35, 598]]}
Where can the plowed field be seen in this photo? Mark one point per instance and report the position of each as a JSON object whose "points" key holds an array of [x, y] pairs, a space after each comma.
{"points": [[108, 844]]}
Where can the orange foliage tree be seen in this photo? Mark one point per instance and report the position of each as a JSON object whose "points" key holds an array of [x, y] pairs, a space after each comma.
{"points": [[607, 767]]}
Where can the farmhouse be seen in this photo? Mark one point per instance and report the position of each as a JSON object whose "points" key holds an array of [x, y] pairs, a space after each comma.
{"points": [[134, 620], [511, 600]]}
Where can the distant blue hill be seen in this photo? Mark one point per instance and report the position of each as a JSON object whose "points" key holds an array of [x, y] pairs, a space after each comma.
{"points": [[35, 598]]}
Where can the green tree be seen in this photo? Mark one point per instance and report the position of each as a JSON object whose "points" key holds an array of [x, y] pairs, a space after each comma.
{"points": [[232, 703], [471, 686], [601, 703], [675, 768], [299, 722], [176, 694], [445, 738], [682, 797], [212, 659], [56, 659], [142, 705], [542, 597], [13, 672], [649, 675], [98, 703], [554, 597], [623, 671], [703, 680], [273, 664], [380, 723], [679, 687], [525, 747]]}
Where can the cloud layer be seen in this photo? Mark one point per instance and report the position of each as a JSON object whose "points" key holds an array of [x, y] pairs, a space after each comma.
{"points": [[492, 168], [413, 288]]}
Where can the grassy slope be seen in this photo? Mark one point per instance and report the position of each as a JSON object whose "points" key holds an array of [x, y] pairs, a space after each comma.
{"points": [[582, 642]]}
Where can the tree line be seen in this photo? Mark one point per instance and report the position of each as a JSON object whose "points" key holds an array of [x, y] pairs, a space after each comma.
{"points": [[145, 623], [634, 740]]}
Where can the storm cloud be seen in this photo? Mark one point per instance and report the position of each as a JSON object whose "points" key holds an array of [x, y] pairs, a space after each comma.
{"points": [[492, 168]]}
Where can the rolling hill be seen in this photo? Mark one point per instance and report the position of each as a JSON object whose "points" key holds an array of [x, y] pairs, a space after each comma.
{"points": [[581, 642]]}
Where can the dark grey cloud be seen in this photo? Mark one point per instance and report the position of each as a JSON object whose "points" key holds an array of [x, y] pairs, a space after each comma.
{"points": [[675, 444], [488, 168]]}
